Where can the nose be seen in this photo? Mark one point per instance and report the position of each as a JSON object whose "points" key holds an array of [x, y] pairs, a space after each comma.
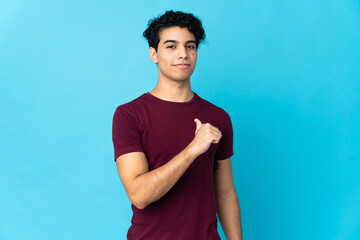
{"points": [[183, 53]]}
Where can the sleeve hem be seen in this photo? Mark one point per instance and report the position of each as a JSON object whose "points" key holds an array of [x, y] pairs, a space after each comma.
{"points": [[127, 150], [225, 157]]}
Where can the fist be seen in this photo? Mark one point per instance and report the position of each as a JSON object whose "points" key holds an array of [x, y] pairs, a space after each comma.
{"points": [[205, 135]]}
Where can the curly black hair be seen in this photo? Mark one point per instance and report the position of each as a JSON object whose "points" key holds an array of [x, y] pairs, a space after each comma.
{"points": [[170, 19]]}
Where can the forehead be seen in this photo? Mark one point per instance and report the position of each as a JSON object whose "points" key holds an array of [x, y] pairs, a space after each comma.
{"points": [[176, 33]]}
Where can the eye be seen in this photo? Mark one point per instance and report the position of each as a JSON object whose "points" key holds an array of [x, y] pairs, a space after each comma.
{"points": [[170, 46], [191, 46]]}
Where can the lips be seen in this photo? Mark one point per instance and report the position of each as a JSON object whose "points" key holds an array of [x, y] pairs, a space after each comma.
{"points": [[182, 65]]}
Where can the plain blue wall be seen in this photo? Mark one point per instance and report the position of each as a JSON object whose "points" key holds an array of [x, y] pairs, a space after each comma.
{"points": [[287, 72]]}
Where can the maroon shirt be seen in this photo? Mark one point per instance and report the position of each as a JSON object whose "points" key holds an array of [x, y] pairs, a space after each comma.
{"points": [[162, 129]]}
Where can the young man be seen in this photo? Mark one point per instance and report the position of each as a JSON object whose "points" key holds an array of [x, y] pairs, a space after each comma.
{"points": [[168, 141]]}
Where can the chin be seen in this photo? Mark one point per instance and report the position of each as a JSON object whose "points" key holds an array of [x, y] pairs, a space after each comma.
{"points": [[183, 79]]}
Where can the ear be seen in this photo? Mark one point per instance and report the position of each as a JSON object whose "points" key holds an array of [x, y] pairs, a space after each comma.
{"points": [[153, 55]]}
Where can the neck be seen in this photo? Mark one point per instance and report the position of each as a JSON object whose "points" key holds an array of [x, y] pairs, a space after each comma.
{"points": [[174, 91]]}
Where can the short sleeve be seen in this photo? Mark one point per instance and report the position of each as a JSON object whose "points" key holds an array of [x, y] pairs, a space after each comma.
{"points": [[225, 149], [126, 134]]}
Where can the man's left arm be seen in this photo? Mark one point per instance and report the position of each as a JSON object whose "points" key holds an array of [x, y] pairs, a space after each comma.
{"points": [[228, 207]]}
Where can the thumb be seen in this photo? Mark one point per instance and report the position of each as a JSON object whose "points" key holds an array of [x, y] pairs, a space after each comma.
{"points": [[198, 124]]}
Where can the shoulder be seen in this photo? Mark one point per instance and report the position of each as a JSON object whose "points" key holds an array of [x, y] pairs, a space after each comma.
{"points": [[131, 109], [216, 110], [131, 105]]}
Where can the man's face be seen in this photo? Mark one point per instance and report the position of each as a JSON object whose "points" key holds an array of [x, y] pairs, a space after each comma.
{"points": [[176, 54]]}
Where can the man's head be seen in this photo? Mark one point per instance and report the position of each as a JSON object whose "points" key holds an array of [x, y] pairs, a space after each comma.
{"points": [[171, 19], [173, 40]]}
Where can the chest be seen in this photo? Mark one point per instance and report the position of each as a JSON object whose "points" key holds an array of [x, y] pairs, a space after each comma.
{"points": [[167, 134]]}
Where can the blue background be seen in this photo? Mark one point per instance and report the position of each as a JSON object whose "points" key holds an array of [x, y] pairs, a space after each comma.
{"points": [[287, 72]]}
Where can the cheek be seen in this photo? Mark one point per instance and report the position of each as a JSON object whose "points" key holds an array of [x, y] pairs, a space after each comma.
{"points": [[194, 56], [167, 59]]}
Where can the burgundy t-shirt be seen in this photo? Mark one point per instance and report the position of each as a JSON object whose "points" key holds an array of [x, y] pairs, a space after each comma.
{"points": [[162, 129]]}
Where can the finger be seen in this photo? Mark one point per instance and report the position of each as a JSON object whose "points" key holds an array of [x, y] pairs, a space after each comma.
{"points": [[214, 137], [213, 127], [217, 130], [216, 133], [198, 124]]}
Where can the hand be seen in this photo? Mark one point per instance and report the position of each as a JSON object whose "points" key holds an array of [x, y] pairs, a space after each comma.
{"points": [[205, 134]]}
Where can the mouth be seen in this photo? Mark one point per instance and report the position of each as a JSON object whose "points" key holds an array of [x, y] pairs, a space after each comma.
{"points": [[182, 66]]}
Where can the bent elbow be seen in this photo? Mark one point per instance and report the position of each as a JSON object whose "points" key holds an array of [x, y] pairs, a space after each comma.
{"points": [[140, 206], [138, 203]]}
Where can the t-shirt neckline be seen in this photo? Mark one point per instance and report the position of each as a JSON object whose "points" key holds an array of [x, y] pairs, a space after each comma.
{"points": [[156, 99]]}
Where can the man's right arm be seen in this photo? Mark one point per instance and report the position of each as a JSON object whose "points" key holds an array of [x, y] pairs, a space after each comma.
{"points": [[143, 186]]}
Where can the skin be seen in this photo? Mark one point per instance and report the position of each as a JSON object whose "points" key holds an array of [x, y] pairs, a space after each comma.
{"points": [[143, 186], [174, 82]]}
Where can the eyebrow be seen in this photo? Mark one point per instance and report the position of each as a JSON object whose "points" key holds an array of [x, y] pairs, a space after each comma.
{"points": [[174, 41]]}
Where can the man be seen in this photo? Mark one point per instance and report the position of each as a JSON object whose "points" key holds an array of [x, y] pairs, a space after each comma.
{"points": [[168, 141]]}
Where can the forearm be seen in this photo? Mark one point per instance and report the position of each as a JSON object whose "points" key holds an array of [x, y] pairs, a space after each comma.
{"points": [[152, 185], [228, 211]]}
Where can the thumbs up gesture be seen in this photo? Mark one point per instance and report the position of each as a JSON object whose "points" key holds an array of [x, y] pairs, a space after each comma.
{"points": [[205, 135]]}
